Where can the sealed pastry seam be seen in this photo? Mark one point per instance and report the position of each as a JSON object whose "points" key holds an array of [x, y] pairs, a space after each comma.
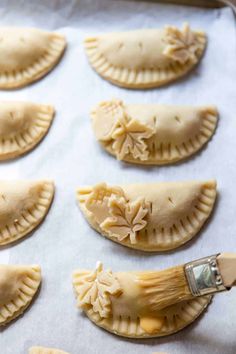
{"points": [[130, 311], [145, 58], [152, 134], [149, 217], [27, 54], [43, 350], [23, 206], [18, 286], [22, 126]]}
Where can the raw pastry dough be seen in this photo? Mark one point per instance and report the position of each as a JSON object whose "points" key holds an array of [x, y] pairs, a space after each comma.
{"points": [[18, 286], [23, 206], [147, 57], [22, 126], [122, 303], [152, 133], [149, 217], [27, 54], [42, 350]]}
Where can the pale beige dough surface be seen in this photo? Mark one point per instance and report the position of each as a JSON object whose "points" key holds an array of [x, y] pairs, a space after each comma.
{"points": [[122, 302], [152, 133], [27, 54], [22, 126], [149, 217], [18, 286], [23, 206], [43, 350], [147, 57]]}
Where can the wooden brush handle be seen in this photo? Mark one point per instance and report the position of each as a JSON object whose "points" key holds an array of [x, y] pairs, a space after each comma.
{"points": [[227, 265]]}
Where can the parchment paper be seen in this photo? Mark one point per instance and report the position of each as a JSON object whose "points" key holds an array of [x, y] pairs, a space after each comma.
{"points": [[70, 156]]}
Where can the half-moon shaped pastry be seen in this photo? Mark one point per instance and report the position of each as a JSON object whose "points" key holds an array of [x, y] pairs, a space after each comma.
{"points": [[124, 303], [22, 126], [27, 54], [23, 206], [152, 133], [147, 57], [42, 350], [18, 286], [148, 216]]}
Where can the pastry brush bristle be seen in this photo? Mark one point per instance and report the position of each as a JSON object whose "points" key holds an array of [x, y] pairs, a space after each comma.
{"points": [[164, 288]]}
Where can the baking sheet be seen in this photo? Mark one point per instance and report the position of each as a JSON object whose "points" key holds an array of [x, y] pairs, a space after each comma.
{"points": [[70, 156]]}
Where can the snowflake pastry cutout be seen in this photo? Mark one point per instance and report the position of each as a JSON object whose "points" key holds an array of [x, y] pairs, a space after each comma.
{"points": [[182, 46], [96, 288]]}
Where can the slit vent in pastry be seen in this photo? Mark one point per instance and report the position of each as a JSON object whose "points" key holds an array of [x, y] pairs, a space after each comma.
{"points": [[151, 133], [42, 350], [118, 302], [22, 126], [18, 286], [27, 54], [147, 57], [23, 206], [149, 217]]}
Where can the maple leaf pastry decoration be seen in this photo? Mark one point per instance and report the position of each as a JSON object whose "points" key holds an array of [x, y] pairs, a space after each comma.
{"points": [[129, 138], [96, 289], [182, 45], [126, 218]]}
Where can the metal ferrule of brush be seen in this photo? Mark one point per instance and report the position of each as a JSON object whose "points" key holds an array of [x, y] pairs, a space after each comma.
{"points": [[203, 276]]}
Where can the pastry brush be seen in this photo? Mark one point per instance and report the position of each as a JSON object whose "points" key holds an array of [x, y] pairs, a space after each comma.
{"points": [[201, 277]]}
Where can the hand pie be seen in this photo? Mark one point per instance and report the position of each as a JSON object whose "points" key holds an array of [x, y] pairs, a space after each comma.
{"points": [[22, 126], [27, 54], [147, 57], [148, 216], [124, 303], [151, 133], [41, 350], [23, 206], [18, 286]]}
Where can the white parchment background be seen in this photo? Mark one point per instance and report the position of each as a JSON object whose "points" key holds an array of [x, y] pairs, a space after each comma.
{"points": [[71, 157]]}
